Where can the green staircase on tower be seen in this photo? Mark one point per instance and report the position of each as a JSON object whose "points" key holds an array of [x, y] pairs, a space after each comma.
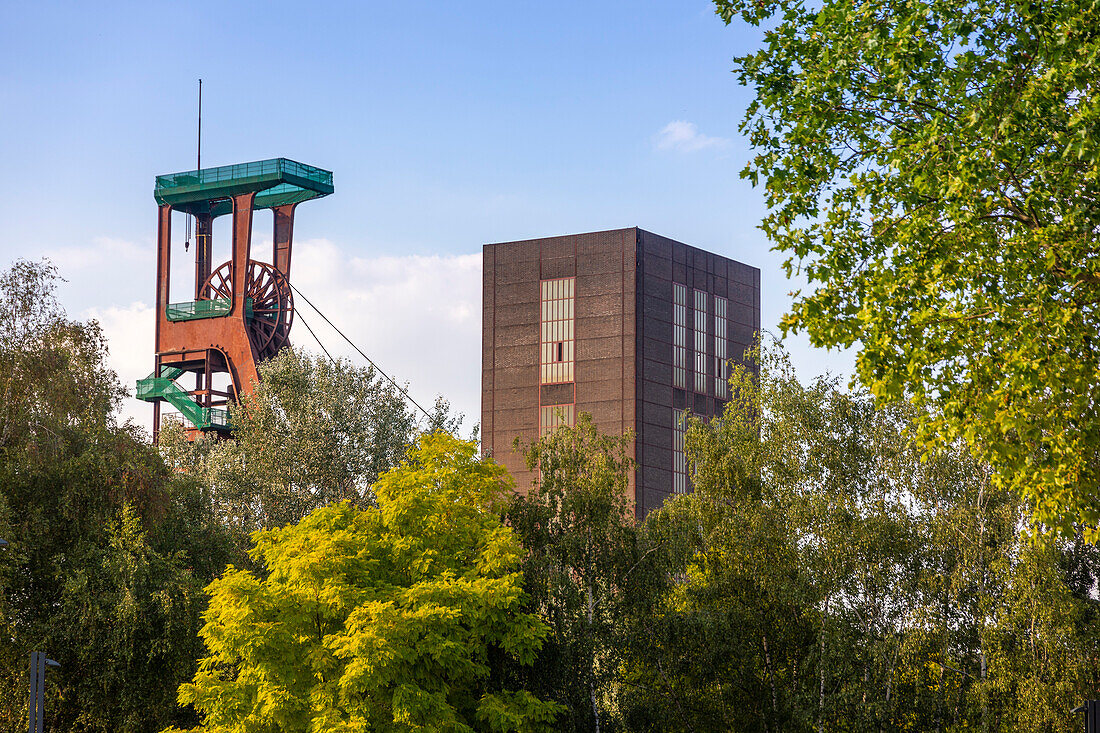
{"points": [[164, 387]]}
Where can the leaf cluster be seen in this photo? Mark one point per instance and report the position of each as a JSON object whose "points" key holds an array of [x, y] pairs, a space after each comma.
{"points": [[579, 535], [384, 617], [827, 573], [313, 432], [931, 169], [108, 551]]}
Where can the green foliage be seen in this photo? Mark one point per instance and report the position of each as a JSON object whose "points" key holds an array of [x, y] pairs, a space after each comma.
{"points": [[312, 433], [827, 575], [53, 370], [931, 168], [578, 531], [109, 551], [378, 618], [717, 642], [442, 417]]}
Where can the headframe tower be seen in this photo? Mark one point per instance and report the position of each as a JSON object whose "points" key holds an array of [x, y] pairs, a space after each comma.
{"points": [[242, 309]]}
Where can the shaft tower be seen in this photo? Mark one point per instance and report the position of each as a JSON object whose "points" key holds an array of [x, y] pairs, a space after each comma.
{"points": [[242, 309]]}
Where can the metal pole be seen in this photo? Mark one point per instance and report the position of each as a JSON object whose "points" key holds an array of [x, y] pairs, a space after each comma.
{"points": [[37, 680], [37, 704], [41, 690], [32, 701], [198, 165]]}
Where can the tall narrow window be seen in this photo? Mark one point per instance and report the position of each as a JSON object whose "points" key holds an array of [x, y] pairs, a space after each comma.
{"points": [[551, 416], [679, 462], [679, 335], [700, 341], [556, 331], [721, 335]]}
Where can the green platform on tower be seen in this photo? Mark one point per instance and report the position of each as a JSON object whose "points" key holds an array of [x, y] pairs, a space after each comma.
{"points": [[276, 182]]}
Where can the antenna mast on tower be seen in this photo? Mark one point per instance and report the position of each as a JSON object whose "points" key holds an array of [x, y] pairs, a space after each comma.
{"points": [[198, 167]]}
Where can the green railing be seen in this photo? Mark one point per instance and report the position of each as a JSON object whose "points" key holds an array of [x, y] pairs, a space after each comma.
{"points": [[275, 182], [148, 389], [193, 310], [215, 417], [239, 171], [164, 387]]}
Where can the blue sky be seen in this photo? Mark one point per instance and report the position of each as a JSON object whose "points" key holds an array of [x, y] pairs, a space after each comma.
{"points": [[446, 127]]}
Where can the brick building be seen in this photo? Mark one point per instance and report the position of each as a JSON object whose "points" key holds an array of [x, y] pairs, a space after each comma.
{"points": [[627, 325]]}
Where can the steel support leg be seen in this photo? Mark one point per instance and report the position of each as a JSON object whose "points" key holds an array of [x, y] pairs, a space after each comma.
{"points": [[204, 254], [242, 248], [284, 235]]}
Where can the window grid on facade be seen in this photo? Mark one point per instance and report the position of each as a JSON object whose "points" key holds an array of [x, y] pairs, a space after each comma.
{"points": [[551, 416], [556, 331], [700, 341], [679, 335], [721, 363], [679, 461]]}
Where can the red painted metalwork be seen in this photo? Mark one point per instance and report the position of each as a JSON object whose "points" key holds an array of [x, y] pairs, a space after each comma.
{"points": [[243, 308], [204, 253], [232, 344], [284, 231], [270, 304]]}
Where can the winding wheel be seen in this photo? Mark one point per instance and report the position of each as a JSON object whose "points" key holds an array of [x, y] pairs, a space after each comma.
{"points": [[272, 304]]}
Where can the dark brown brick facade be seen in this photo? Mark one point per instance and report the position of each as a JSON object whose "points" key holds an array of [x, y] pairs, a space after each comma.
{"points": [[623, 333]]}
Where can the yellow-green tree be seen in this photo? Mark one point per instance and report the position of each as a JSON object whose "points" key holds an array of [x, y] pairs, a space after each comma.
{"points": [[383, 618]]}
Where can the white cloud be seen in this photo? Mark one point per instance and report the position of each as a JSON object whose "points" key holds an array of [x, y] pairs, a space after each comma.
{"points": [[685, 137], [418, 318], [129, 333]]}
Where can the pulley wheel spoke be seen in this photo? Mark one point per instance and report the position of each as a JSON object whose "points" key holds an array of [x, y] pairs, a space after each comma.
{"points": [[272, 311]]}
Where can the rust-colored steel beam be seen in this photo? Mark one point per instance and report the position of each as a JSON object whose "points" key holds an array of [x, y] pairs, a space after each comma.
{"points": [[207, 383], [242, 250], [204, 254], [164, 281], [283, 238], [164, 257]]}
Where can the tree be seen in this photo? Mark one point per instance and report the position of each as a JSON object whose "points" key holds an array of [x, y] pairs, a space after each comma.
{"points": [[578, 531], [828, 574], [378, 618], [312, 433], [717, 635], [109, 551], [1002, 628], [931, 168]]}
